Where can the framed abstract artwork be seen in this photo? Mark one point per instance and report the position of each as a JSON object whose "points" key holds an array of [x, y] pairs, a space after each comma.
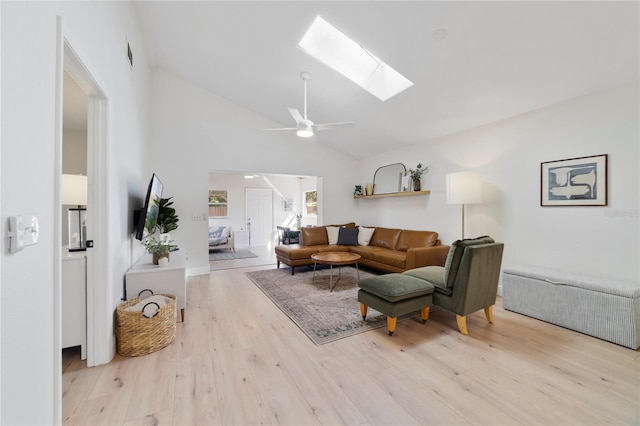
{"points": [[287, 204], [574, 182]]}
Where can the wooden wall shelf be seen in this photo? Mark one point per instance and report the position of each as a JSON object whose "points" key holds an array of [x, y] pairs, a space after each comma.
{"points": [[393, 194]]}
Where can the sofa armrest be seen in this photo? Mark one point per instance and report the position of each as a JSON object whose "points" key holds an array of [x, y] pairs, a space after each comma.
{"points": [[426, 256]]}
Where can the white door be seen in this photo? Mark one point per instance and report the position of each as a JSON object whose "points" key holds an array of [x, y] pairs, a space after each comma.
{"points": [[259, 216]]}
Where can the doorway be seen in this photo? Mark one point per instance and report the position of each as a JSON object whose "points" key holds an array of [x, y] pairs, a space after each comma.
{"points": [[259, 216], [287, 195], [100, 345]]}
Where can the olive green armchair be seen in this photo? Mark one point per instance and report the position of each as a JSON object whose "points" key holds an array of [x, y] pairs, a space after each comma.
{"points": [[469, 280]]}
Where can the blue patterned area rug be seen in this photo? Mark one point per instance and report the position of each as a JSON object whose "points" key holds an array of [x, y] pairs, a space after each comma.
{"points": [[322, 315]]}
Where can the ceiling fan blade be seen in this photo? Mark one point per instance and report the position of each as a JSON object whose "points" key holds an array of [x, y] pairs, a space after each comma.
{"points": [[282, 128], [329, 126], [296, 115]]}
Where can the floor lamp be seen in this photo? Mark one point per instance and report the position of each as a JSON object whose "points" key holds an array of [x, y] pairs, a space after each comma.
{"points": [[464, 188], [74, 192]]}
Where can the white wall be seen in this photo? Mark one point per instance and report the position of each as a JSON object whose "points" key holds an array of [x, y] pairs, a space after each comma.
{"points": [[98, 32], [287, 186], [74, 152], [601, 241], [195, 131]]}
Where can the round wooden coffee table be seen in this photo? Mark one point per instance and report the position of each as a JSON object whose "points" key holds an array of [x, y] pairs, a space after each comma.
{"points": [[334, 258]]}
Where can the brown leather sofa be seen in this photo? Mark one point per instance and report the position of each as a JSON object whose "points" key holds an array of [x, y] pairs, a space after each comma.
{"points": [[389, 250]]}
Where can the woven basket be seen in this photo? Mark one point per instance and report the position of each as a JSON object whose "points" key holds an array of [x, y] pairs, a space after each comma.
{"points": [[138, 335]]}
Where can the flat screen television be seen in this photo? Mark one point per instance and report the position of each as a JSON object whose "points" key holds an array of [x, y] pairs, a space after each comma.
{"points": [[148, 216]]}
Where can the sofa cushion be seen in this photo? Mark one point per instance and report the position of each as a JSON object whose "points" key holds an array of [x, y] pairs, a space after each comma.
{"points": [[395, 287], [332, 234], [454, 257], [394, 258], [433, 274], [314, 236], [348, 237], [226, 232], [366, 252], [295, 252], [364, 235], [332, 247], [414, 239], [385, 237], [216, 241]]}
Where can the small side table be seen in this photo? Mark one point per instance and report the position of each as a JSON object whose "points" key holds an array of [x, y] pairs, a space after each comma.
{"points": [[334, 258], [160, 279]]}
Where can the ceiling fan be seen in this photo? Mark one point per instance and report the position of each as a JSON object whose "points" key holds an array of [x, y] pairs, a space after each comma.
{"points": [[306, 128]]}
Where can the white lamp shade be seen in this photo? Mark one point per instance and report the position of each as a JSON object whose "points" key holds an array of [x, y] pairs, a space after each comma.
{"points": [[464, 188], [74, 190]]}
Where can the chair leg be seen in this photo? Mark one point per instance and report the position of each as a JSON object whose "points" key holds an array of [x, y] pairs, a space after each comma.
{"points": [[391, 324], [363, 311], [488, 312], [424, 314], [462, 324]]}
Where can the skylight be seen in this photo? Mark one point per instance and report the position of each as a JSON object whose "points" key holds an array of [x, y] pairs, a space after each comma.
{"points": [[328, 45]]}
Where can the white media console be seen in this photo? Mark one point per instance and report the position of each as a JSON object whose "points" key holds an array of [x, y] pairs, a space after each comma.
{"points": [[169, 279]]}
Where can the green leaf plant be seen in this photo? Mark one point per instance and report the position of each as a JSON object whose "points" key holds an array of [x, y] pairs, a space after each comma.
{"points": [[167, 217]]}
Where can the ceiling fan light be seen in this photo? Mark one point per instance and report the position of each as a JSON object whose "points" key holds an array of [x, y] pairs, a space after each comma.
{"points": [[305, 132]]}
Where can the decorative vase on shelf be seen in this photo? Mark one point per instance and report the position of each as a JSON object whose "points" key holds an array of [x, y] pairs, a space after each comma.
{"points": [[158, 256], [416, 175], [158, 249]]}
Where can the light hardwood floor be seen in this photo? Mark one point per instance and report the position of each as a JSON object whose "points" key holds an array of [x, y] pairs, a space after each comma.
{"points": [[266, 256], [239, 360]]}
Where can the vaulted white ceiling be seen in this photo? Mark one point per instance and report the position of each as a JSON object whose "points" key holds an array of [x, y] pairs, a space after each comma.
{"points": [[497, 60]]}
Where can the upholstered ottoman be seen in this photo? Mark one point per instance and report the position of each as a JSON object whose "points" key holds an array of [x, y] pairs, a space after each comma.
{"points": [[604, 308], [394, 295]]}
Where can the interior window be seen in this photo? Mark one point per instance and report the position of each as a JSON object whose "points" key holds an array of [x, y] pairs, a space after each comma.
{"points": [[311, 203], [218, 204]]}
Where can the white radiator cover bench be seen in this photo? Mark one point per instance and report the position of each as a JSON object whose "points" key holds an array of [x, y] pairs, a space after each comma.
{"points": [[604, 308]]}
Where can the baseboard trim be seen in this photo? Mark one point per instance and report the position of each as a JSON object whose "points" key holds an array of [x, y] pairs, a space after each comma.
{"points": [[200, 270]]}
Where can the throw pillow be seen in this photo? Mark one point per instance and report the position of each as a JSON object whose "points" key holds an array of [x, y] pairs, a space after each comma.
{"points": [[313, 236], [348, 237], [226, 232], [364, 235], [332, 234], [217, 233]]}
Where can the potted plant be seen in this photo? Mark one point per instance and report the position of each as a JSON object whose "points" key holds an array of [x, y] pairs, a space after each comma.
{"points": [[358, 191], [416, 175], [167, 217], [158, 248]]}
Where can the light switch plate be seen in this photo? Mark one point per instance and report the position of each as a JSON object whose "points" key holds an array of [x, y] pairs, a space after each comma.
{"points": [[23, 231]]}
